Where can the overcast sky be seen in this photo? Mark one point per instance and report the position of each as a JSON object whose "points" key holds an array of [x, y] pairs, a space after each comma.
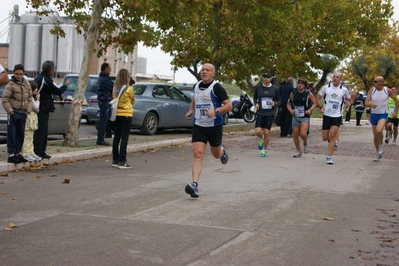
{"points": [[157, 61]]}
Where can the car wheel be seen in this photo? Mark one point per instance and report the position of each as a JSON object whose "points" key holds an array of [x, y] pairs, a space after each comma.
{"points": [[225, 119], [150, 124]]}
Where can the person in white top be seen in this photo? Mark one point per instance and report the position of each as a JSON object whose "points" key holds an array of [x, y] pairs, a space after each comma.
{"points": [[3, 76], [377, 99], [334, 96]]}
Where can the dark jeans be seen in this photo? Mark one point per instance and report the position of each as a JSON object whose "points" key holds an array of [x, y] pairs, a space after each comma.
{"points": [[286, 121], [40, 135], [102, 121], [358, 117], [15, 132], [348, 114], [122, 125]]}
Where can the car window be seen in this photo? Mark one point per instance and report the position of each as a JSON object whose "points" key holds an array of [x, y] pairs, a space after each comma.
{"points": [[139, 89], [177, 94], [73, 82], [160, 92]]}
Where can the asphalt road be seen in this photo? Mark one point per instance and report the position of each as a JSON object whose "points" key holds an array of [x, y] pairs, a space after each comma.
{"points": [[276, 210]]}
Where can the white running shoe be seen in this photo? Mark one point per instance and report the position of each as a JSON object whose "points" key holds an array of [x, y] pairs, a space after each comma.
{"points": [[306, 148]]}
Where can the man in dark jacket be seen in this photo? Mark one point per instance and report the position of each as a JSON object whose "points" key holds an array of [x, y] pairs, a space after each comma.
{"points": [[266, 100], [104, 95], [359, 107], [286, 117], [46, 89]]}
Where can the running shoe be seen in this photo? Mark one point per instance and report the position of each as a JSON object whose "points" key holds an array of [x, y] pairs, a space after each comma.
{"points": [[336, 144], [394, 142], [297, 154], [192, 190], [115, 164], [386, 140], [225, 157], [329, 160], [260, 144], [306, 148], [377, 157], [124, 165], [390, 135], [263, 153], [381, 149]]}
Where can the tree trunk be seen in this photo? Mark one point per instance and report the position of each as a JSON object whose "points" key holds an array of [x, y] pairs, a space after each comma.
{"points": [[71, 138]]}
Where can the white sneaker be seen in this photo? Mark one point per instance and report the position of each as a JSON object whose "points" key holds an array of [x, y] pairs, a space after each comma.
{"points": [[329, 160], [381, 149], [37, 158], [336, 144], [390, 135], [377, 157], [306, 148], [394, 142], [29, 157]]}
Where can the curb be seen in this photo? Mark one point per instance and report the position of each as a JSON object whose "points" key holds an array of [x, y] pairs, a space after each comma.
{"points": [[89, 154]]}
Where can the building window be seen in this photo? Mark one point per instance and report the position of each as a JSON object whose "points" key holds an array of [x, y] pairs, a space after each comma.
{"points": [[115, 63]]}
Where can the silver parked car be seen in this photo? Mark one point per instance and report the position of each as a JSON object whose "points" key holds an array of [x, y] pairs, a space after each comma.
{"points": [[58, 120], [158, 106]]}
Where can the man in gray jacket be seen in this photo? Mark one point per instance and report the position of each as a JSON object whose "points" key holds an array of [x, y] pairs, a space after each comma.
{"points": [[266, 100]]}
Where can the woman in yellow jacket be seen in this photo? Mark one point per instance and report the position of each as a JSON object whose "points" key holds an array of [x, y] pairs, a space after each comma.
{"points": [[123, 121]]}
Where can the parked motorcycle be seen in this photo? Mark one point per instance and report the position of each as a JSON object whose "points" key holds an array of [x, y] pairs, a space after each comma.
{"points": [[242, 109]]}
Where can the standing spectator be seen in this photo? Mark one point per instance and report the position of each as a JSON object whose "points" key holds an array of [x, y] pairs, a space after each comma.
{"points": [[391, 120], [124, 117], [17, 102], [301, 105], [266, 100], [46, 89], [104, 95], [286, 117], [334, 96], [3, 76], [209, 102], [359, 107], [377, 100], [31, 125]]}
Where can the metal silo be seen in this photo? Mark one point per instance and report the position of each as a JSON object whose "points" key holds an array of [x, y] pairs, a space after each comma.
{"points": [[29, 18], [17, 45], [65, 49], [49, 45], [32, 47]]}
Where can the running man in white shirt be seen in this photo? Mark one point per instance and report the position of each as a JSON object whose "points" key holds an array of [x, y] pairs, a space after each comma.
{"points": [[377, 99], [334, 96]]}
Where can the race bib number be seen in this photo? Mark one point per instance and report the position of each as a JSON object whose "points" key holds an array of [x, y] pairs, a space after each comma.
{"points": [[334, 106], [200, 113], [391, 110], [300, 111], [267, 103]]}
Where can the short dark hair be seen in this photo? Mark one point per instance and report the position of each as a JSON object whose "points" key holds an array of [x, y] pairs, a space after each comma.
{"points": [[33, 84], [104, 66], [19, 67], [47, 66]]}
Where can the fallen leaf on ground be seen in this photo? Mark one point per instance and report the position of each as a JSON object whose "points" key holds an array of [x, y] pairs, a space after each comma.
{"points": [[385, 239], [12, 225], [4, 192], [4, 174], [7, 229], [329, 218], [66, 181], [14, 198], [38, 176]]}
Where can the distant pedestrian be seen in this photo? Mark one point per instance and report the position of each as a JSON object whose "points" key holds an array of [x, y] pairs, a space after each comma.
{"points": [[359, 107], [31, 125], [266, 100], [392, 121], [377, 100], [209, 103], [301, 105], [286, 117], [104, 95], [46, 89], [3, 76], [17, 102], [124, 117], [334, 95]]}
